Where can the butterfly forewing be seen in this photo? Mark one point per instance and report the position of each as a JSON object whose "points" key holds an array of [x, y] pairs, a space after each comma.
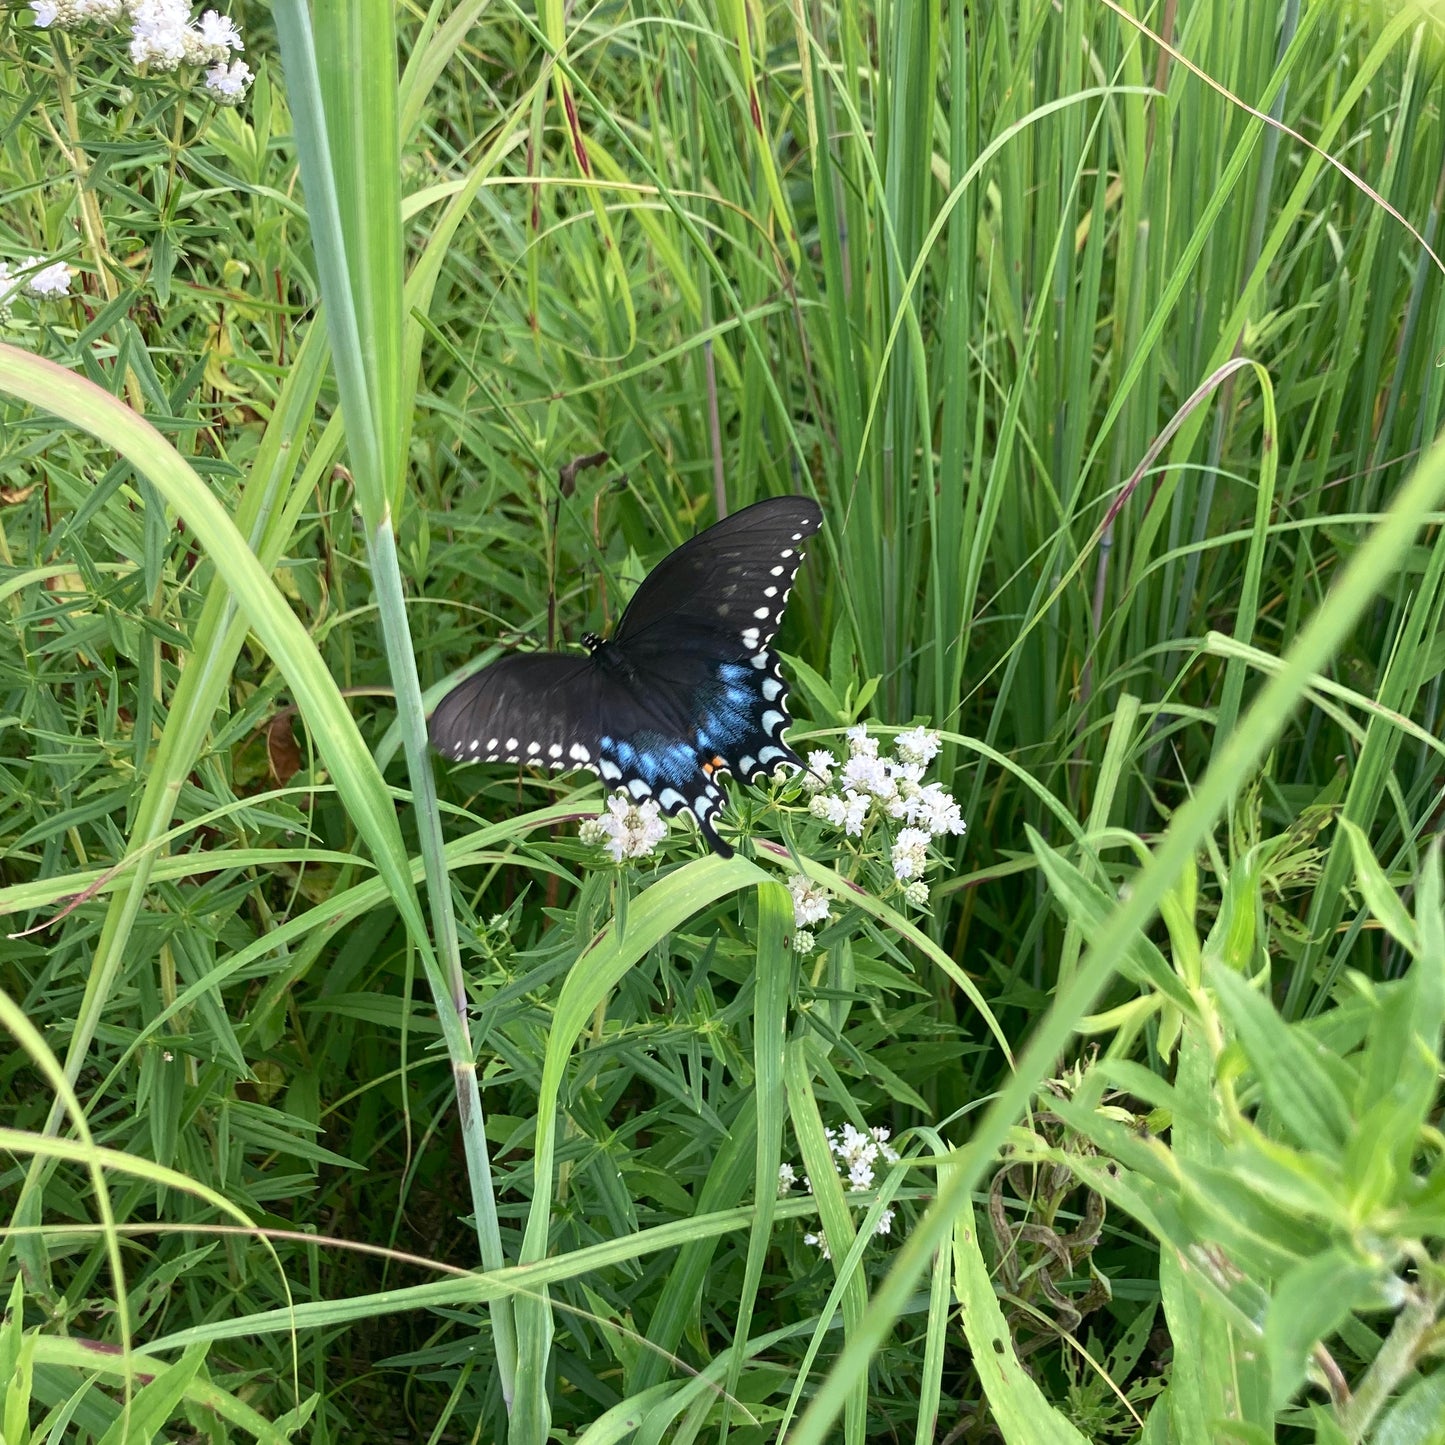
{"points": [[733, 578], [686, 690]]}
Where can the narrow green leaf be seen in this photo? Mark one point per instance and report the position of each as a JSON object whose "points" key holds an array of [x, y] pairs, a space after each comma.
{"points": [[1381, 899], [1299, 1089]]}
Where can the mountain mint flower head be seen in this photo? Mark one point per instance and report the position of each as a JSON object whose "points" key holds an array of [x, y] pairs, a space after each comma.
{"points": [[75, 14], [811, 903], [162, 38], [44, 281], [228, 83], [820, 770], [158, 33], [865, 774], [910, 853], [216, 37], [934, 810], [787, 1177], [51, 280], [627, 829], [857, 1154], [918, 745]]}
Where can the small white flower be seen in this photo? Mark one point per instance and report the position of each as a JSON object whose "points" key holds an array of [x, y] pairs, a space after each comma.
{"points": [[52, 280], [855, 813], [918, 745], [220, 32], [820, 770], [908, 775], [228, 83], [628, 829], [910, 853], [935, 809], [857, 1152], [820, 1242], [47, 12], [860, 745], [917, 893], [869, 775], [848, 813], [881, 1137], [885, 1222], [811, 903], [804, 943], [786, 1179]]}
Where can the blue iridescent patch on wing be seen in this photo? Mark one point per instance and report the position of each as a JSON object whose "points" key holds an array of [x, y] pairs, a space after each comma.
{"points": [[660, 759], [725, 715]]}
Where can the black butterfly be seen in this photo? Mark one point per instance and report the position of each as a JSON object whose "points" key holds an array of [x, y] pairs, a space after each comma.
{"points": [[686, 688]]}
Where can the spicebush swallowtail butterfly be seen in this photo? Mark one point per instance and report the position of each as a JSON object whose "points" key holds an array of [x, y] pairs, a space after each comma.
{"points": [[685, 689]]}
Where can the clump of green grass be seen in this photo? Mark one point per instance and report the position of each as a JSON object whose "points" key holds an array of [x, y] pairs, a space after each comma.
{"points": [[352, 1094]]}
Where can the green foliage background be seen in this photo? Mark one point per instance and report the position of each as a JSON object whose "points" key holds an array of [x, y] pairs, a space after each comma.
{"points": [[1120, 401]]}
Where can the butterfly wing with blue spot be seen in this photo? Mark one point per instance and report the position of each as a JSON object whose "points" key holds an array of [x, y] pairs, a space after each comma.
{"points": [[685, 690]]}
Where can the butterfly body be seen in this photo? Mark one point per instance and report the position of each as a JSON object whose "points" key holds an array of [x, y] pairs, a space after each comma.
{"points": [[686, 689]]}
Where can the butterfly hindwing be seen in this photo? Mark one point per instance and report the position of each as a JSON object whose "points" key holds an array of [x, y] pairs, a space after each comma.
{"points": [[686, 690], [531, 707]]}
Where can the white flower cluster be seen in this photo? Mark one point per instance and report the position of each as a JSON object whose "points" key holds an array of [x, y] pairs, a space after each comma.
{"points": [[860, 1152], [811, 904], [868, 786], [43, 281], [163, 37], [855, 1153], [627, 829]]}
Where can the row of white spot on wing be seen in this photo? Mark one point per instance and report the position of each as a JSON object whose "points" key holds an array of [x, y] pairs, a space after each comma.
{"points": [[774, 720], [559, 757], [770, 617]]}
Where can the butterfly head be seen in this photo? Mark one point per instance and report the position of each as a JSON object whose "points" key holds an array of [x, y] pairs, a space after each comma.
{"points": [[592, 642]]}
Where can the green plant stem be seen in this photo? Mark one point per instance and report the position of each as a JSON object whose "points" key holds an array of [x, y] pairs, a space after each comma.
{"points": [[449, 989], [92, 223], [1403, 1347]]}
